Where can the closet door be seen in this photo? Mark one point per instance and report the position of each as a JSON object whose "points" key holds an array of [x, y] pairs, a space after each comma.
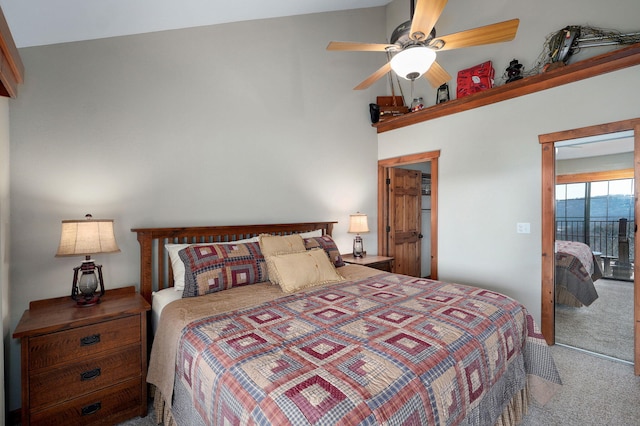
{"points": [[405, 221]]}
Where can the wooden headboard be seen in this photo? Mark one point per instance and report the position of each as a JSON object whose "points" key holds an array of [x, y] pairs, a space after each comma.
{"points": [[155, 268]]}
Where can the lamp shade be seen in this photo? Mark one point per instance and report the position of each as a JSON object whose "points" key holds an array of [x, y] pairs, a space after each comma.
{"points": [[412, 62], [86, 237], [358, 223]]}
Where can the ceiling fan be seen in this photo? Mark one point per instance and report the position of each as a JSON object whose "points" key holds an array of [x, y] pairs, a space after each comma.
{"points": [[414, 44]]}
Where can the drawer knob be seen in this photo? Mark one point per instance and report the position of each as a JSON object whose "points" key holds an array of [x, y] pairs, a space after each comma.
{"points": [[90, 375], [91, 409], [90, 340]]}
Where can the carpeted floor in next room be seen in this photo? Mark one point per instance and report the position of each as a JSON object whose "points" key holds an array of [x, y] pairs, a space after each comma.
{"points": [[596, 391], [604, 327]]}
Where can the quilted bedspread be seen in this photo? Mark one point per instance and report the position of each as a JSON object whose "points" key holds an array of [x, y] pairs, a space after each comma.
{"points": [[387, 349], [576, 271]]}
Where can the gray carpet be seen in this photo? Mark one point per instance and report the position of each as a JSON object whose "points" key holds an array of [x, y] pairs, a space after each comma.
{"points": [[604, 327], [596, 391]]}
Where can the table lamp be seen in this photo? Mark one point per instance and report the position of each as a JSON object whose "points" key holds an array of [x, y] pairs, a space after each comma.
{"points": [[84, 238], [357, 224]]}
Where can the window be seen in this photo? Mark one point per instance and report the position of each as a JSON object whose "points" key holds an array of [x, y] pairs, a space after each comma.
{"points": [[596, 213]]}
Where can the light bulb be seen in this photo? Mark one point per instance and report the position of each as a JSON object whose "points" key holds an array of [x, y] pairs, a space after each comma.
{"points": [[412, 62]]}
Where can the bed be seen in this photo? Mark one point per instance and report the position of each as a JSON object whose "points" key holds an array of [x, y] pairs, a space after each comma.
{"points": [[359, 346], [577, 269]]}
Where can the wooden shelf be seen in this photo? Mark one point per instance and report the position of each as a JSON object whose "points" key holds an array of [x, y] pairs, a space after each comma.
{"points": [[611, 61]]}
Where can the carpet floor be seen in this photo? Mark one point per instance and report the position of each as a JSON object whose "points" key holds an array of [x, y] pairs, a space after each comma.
{"points": [[605, 327], [595, 391]]}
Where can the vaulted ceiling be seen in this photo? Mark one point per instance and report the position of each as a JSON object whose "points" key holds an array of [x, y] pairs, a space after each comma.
{"points": [[42, 22]]}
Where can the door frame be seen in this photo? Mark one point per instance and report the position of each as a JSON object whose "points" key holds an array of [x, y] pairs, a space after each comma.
{"points": [[383, 201], [547, 142]]}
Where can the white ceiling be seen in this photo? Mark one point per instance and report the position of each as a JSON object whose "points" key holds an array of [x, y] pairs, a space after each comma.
{"points": [[595, 146], [42, 22]]}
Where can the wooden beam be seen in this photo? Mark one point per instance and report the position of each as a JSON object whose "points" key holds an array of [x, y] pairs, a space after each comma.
{"points": [[611, 61], [11, 67]]}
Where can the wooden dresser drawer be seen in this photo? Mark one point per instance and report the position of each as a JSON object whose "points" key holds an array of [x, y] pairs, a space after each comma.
{"points": [[61, 384], [79, 343], [107, 407], [84, 365]]}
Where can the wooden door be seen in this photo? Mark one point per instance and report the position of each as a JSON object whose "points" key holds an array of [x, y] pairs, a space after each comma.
{"points": [[405, 233]]}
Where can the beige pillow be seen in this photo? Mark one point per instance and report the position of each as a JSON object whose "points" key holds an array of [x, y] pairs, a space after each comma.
{"points": [[271, 245], [295, 271]]}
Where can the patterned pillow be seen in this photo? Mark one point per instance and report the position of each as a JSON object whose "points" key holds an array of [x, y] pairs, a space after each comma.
{"points": [[328, 245], [176, 263], [217, 267]]}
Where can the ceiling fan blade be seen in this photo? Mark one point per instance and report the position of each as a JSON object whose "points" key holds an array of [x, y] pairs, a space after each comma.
{"points": [[360, 47], [437, 75], [374, 77], [425, 16], [494, 33]]}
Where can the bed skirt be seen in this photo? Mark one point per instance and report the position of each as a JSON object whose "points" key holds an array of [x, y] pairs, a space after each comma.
{"points": [[564, 297], [160, 410], [512, 414]]}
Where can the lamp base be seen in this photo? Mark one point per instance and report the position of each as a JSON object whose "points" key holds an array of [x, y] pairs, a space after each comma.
{"points": [[358, 247], [86, 302], [83, 290]]}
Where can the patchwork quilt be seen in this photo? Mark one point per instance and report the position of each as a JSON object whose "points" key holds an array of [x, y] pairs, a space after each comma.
{"points": [[576, 271], [387, 349]]}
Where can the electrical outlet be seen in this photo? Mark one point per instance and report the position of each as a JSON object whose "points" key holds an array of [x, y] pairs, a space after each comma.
{"points": [[523, 228]]}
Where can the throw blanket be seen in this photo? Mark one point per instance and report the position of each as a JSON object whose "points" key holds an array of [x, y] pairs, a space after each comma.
{"points": [[385, 348], [576, 271]]}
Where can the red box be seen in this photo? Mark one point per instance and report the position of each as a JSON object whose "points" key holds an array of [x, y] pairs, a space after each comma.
{"points": [[475, 79]]}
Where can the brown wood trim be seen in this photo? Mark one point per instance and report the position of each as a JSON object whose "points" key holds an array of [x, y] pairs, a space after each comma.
{"points": [[601, 64], [383, 213], [11, 67], [583, 132], [409, 159], [548, 221], [636, 285], [595, 176], [548, 244], [434, 218]]}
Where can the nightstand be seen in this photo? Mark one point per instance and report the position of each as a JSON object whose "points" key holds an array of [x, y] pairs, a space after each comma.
{"points": [[382, 263], [84, 365]]}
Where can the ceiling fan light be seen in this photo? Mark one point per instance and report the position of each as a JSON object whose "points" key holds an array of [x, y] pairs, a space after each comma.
{"points": [[412, 62]]}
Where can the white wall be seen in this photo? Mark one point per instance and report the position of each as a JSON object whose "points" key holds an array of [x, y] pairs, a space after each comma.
{"points": [[4, 239], [595, 164], [489, 177], [252, 122], [490, 165]]}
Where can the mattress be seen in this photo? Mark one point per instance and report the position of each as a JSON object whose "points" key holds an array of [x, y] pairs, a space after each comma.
{"points": [[160, 299]]}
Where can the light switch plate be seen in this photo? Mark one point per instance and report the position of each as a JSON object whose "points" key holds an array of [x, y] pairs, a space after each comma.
{"points": [[523, 228]]}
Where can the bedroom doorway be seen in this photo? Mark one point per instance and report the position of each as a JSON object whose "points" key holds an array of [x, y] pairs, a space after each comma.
{"points": [[401, 248], [594, 244], [550, 143]]}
